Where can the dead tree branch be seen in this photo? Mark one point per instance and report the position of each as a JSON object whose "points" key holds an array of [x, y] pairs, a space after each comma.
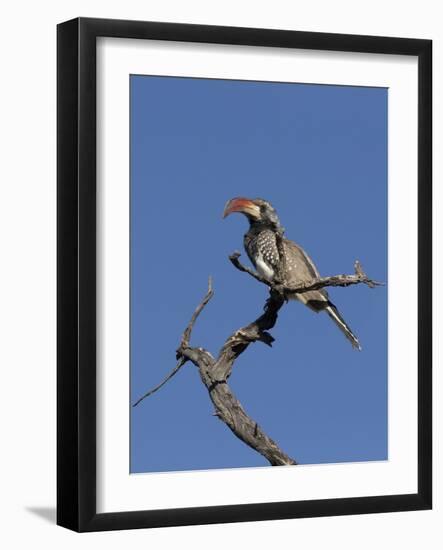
{"points": [[214, 372], [180, 364], [314, 284]]}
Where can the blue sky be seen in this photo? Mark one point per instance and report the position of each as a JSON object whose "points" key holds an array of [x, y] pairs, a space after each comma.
{"points": [[319, 155]]}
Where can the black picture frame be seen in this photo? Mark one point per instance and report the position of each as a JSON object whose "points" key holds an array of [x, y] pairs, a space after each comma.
{"points": [[76, 280]]}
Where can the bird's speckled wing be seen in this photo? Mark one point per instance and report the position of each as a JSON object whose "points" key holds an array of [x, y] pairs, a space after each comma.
{"points": [[261, 248], [300, 268]]}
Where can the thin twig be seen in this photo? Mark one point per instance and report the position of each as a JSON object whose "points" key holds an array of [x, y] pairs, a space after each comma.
{"points": [[184, 344], [187, 333], [234, 258], [180, 364]]}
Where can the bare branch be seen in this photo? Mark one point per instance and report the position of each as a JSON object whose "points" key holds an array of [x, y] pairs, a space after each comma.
{"points": [[187, 333], [257, 331], [230, 411], [234, 258], [314, 284], [180, 364], [184, 344], [215, 372]]}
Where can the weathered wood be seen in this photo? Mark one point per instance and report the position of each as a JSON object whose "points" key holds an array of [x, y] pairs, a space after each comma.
{"points": [[314, 284], [215, 372]]}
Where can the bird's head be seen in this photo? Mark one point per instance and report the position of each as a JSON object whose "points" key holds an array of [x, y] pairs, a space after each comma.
{"points": [[258, 211]]}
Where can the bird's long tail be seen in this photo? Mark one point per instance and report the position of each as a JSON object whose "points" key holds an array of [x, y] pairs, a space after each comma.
{"points": [[334, 314]]}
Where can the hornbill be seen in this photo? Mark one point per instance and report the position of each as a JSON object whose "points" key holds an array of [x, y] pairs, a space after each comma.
{"points": [[260, 243]]}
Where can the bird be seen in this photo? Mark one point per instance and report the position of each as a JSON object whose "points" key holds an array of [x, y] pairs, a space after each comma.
{"points": [[261, 245]]}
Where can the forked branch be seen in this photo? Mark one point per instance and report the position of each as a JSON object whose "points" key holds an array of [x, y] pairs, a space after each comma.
{"points": [[214, 372], [314, 284]]}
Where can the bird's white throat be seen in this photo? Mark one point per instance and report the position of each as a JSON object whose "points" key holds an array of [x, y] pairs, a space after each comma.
{"points": [[264, 269]]}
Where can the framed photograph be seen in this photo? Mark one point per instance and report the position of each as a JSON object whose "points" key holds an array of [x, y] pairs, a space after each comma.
{"points": [[244, 274]]}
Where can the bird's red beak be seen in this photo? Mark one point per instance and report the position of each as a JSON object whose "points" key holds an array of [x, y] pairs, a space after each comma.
{"points": [[242, 205]]}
